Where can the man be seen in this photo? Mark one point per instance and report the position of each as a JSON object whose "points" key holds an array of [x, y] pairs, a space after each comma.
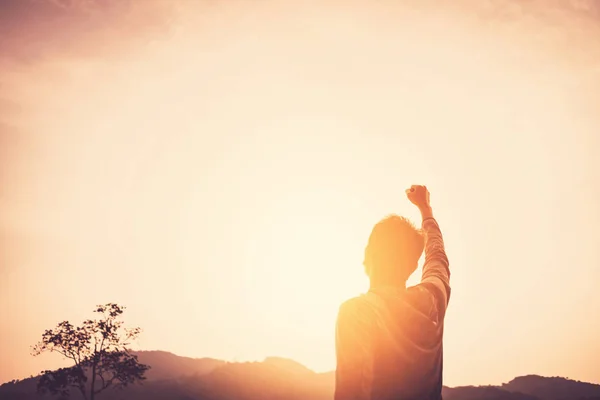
{"points": [[389, 340]]}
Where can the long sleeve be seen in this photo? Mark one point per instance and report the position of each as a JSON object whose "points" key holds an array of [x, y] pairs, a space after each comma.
{"points": [[436, 272]]}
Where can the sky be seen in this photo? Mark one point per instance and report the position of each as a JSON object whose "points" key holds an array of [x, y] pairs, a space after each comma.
{"points": [[216, 167]]}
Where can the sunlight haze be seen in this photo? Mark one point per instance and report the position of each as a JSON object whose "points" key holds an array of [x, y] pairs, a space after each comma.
{"points": [[216, 167]]}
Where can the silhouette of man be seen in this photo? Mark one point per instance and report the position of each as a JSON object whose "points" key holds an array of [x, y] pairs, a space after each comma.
{"points": [[389, 340]]}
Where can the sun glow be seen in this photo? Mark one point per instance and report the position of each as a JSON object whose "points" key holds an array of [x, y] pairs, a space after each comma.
{"points": [[222, 182]]}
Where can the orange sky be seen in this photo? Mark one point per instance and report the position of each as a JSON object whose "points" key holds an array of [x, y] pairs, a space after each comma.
{"points": [[220, 177]]}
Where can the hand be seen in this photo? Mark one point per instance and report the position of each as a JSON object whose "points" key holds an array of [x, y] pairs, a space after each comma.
{"points": [[419, 196]]}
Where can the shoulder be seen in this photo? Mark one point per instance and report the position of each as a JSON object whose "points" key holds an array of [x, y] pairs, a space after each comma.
{"points": [[421, 297], [363, 302], [356, 310], [350, 306]]}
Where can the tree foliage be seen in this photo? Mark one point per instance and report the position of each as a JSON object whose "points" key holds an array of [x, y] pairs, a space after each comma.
{"points": [[98, 349]]}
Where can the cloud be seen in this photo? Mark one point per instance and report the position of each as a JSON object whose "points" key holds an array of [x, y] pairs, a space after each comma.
{"points": [[32, 30], [43, 42]]}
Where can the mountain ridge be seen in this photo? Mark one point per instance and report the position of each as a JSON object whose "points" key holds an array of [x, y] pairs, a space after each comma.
{"points": [[175, 377]]}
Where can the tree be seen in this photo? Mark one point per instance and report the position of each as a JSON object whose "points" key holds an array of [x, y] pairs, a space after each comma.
{"points": [[98, 349]]}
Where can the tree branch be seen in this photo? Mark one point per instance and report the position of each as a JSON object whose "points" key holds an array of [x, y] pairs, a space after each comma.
{"points": [[104, 359]]}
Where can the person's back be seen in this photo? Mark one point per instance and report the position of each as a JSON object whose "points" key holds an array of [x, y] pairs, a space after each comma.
{"points": [[389, 340]]}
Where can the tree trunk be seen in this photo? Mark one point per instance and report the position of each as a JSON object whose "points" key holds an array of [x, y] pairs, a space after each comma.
{"points": [[93, 389]]}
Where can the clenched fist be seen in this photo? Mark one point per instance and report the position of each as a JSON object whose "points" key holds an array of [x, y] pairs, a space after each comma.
{"points": [[419, 196]]}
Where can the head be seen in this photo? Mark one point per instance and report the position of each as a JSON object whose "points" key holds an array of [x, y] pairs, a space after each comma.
{"points": [[393, 251]]}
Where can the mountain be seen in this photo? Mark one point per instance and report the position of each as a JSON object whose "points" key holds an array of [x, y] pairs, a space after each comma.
{"points": [[168, 366], [182, 378], [483, 393], [553, 388]]}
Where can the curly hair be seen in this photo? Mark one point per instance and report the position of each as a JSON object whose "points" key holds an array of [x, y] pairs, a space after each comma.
{"points": [[393, 250]]}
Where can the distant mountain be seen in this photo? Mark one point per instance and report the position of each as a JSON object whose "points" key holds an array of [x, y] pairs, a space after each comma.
{"points": [[483, 393], [553, 388], [182, 378], [168, 366]]}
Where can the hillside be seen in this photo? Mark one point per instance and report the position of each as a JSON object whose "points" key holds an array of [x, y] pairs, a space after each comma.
{"points": [[168, 366], [483, 393], [182, 378], [553, 388]]}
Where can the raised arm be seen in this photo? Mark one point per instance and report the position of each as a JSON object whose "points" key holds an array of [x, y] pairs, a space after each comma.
{"points": [[436, 272]]}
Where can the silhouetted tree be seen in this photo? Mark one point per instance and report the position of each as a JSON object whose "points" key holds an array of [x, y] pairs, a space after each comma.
{"points": [[99, 351]]}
